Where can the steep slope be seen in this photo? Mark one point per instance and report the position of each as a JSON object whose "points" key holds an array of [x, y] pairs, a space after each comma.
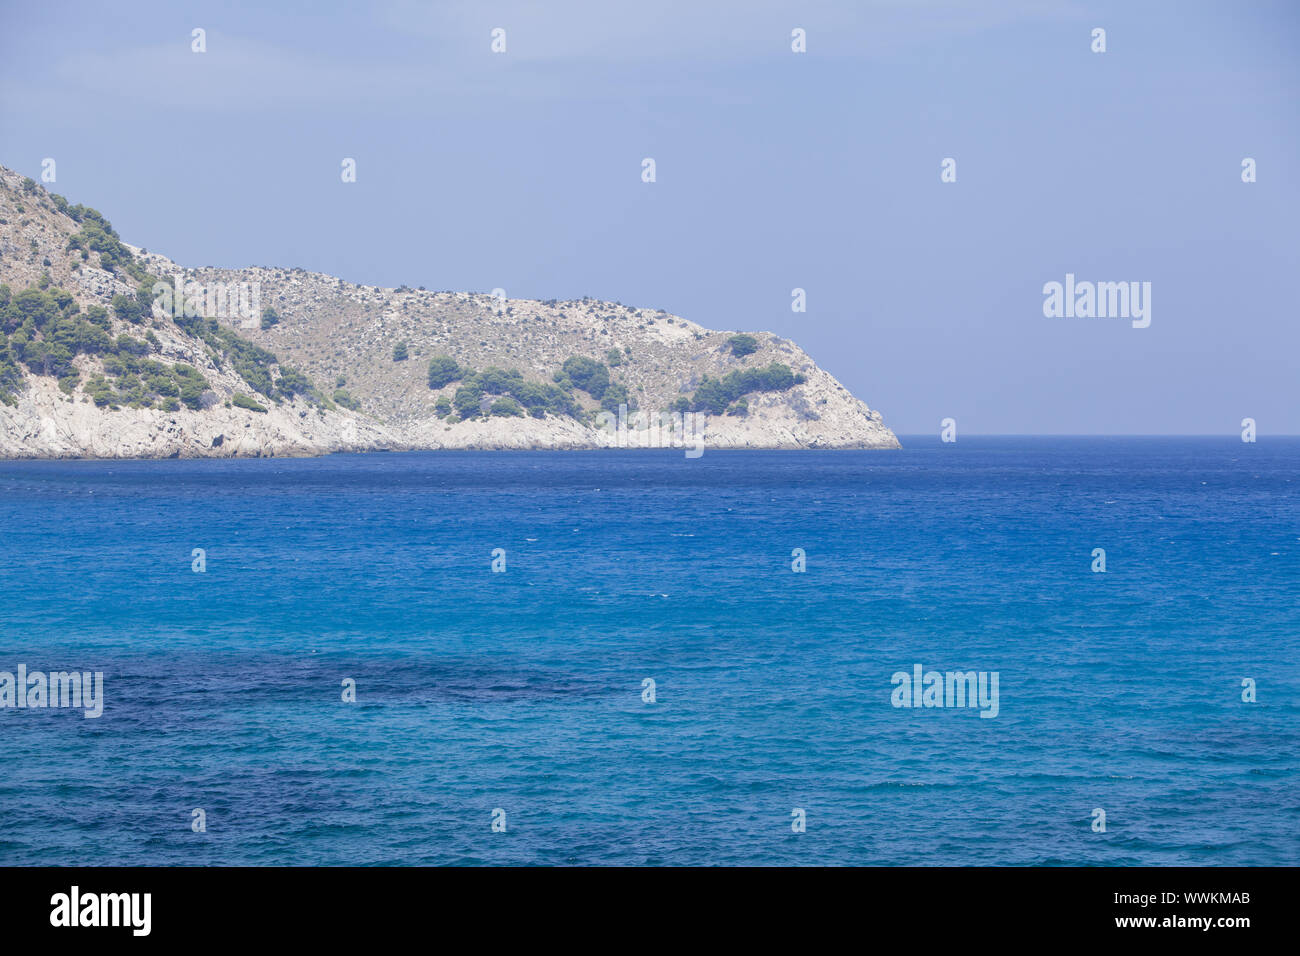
{"points": [[269, 361]]}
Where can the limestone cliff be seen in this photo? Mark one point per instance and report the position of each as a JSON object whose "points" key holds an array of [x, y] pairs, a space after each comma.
{"points": [[341, 367]]}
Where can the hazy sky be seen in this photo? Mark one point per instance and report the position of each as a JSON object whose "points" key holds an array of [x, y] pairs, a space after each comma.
{"points": [[775, 170]]}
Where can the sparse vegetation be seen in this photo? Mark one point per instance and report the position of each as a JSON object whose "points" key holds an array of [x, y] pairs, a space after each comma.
{"points": [[254, 364], [716, 395], [616, 395], [134, 310], [98, 235], [572, 362], [45, 330], [587, 374], [344, 398], [537, 399]]}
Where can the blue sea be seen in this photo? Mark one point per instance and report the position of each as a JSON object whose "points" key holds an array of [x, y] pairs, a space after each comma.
{"points": [[522, 691]]}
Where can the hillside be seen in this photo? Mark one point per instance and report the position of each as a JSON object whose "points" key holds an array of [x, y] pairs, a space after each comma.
{"points": [[100, 358]]}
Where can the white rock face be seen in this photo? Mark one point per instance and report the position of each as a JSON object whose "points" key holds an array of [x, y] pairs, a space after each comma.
{"points": [[48, 424], [330, 329]]}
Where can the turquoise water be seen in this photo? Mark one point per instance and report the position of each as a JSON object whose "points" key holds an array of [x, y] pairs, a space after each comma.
{"points": [[522, 690]]}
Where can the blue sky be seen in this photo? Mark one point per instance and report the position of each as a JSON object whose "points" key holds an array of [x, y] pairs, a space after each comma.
{"points": [[775, 170]]}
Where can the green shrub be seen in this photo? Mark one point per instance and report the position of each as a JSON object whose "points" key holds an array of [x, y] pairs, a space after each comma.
{"points": [[259, 368], [129, 346], [497, 381], [192, 386], [243, 401], [742, 345], [443, 370], [467, 400], [507, 407], [293, 382], [717, 395], [615, 395], [98, 235], [127, 309], [541, 399], [587, 374], [102, 395], [344, 398], [44, 328]]}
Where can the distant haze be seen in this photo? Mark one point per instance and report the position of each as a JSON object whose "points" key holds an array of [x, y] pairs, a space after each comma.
{"points": [[774, 171]]}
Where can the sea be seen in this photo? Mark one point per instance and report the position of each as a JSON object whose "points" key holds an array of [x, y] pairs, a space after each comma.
{"points": [[631, 657]]}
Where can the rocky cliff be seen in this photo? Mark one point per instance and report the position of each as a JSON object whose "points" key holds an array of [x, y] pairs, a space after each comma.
{"points": [[110, 351]]}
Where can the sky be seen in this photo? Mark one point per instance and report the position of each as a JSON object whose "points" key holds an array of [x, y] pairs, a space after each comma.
{"points": [[774, 171]]}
